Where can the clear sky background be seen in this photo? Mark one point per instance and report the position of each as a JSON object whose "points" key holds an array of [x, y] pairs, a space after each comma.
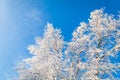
{"points": [[23, 20]]}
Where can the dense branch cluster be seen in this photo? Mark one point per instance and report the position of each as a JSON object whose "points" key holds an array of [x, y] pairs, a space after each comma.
{"points": [[88, 56]]}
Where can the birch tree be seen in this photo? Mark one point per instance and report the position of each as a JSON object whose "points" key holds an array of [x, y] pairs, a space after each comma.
{"points": [[93, 47], [46, 62], [88, 56]]}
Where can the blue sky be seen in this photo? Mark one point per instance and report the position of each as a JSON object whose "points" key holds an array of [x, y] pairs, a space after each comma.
{"points": [[22, 20]]}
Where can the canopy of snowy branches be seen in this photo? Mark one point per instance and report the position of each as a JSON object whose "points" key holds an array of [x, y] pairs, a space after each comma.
{"points": [[88, 56]]}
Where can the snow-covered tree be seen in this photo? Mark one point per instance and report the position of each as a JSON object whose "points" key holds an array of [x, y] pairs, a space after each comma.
{"points": [[46, 62], [92, 48], [88, 56]]}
